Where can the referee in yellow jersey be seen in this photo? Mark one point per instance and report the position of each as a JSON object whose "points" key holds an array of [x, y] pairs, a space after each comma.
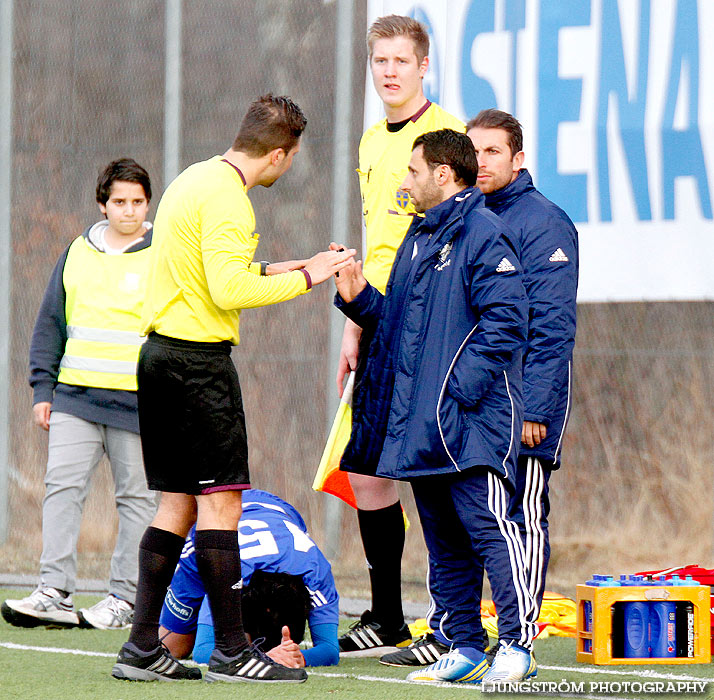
{"points": [[190, 409]]}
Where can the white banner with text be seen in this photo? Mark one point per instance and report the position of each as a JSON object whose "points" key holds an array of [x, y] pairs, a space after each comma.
{"points": [[616, 100]]}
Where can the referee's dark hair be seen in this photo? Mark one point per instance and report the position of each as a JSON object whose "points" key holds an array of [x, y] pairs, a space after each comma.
{"points": [[496, 119], [452, 148], [126, 170], [271, 122]]}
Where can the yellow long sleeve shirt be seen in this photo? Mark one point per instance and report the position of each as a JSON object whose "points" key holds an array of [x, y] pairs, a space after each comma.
{"points": [[388, 211], [200, 275]]}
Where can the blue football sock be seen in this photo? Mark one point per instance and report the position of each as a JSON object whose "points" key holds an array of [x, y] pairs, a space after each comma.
{"points": [[471, 653]]}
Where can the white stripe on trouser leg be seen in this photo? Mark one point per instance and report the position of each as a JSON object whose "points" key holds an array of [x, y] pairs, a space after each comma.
{"points": [[525, 505], [432, 603], [535, 537], [444, 617], [432, 609], [497, 503]]}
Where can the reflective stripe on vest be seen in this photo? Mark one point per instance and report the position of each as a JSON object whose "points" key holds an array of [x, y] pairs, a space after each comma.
{"points": [[104, 295], [94, 364], [102, 335], [89, 364]]}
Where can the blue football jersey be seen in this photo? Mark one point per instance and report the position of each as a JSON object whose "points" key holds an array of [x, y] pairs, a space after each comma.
{"points": [[272, 537]]}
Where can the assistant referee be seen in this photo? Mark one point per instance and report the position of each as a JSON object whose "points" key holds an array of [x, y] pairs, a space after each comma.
{"points": [[190, 409]]}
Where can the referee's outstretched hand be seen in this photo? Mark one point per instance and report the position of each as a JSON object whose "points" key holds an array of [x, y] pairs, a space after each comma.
{"points": [[324, 265]]}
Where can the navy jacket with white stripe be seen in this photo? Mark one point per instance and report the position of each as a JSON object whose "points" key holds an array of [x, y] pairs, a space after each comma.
{"points": [[549, 254], [439, 388]]}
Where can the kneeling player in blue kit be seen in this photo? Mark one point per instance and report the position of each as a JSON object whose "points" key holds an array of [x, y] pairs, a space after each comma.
{"points": [[286, 582]]}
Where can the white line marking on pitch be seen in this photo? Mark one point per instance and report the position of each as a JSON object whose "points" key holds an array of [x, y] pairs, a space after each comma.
{"points": [[647, 673], [55, 650], [398, 681], [454, 686], [358, 677]]}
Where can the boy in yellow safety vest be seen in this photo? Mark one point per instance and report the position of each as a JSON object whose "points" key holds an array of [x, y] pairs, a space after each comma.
{"points": [[83, 355]]}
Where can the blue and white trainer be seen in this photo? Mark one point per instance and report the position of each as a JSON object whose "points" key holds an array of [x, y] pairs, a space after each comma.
{"points": [[512, 664], [452, 667]]}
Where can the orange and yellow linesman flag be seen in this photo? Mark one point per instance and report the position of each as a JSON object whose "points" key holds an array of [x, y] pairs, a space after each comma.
{"points": [[329, 478]]}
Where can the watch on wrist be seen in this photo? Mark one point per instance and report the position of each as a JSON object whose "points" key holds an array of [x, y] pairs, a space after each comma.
{"points": [[264, 267]]}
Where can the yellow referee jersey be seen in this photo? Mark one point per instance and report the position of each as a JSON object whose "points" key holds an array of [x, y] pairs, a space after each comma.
{"points": [[200, 275], [388, 211]]}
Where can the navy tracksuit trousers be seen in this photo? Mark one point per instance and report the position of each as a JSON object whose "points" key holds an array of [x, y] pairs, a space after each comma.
{"points": [[466, 527]]}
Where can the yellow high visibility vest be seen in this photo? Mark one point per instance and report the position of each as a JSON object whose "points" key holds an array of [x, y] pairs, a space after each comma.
{"points": [[104, 299]]}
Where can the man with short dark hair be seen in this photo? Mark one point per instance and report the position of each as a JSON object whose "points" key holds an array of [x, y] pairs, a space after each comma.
{"points": [[190, 409], [440, 396], [549, 255]]}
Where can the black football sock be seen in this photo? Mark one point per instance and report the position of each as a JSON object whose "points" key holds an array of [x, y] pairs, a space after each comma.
{"points": [[159, 552], [382, 533], [218, 562]]}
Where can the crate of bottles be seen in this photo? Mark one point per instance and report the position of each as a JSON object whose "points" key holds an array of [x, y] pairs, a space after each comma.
{"points": [[633, 620], [704, 576]]}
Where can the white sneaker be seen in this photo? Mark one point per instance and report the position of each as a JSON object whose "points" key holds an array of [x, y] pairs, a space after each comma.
{"points": [[512, 664], [112, 613], [45, 606]]}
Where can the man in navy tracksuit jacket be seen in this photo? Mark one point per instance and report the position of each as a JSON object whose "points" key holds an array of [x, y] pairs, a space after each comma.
{"points": [[548, 244], [549, 255], [438, 400]]}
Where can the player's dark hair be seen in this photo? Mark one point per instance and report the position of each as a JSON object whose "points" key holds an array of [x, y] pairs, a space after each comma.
{"points": [[452, 148], [391, 26], [126, 170], [271, 122], [496, 119], [272, 600]]}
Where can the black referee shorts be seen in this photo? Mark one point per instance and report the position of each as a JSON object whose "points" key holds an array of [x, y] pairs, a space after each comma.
{"points": [[191, 417]]}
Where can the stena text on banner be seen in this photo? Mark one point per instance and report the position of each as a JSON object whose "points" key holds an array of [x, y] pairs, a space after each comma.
{"points": [[616, 99]]}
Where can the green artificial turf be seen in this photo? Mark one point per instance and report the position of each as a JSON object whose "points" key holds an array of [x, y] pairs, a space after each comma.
{"points": [[31, 667]]}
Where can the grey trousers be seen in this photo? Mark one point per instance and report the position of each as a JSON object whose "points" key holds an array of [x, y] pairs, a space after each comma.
{"points": [[75, 449]]}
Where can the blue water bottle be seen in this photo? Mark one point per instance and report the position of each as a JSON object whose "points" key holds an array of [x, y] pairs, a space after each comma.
{"points": [[663, 629], [596, 580], [588, 623], [636, 622]]}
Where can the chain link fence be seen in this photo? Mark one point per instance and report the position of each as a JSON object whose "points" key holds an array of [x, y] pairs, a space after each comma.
{"points": [[88, 81]]}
